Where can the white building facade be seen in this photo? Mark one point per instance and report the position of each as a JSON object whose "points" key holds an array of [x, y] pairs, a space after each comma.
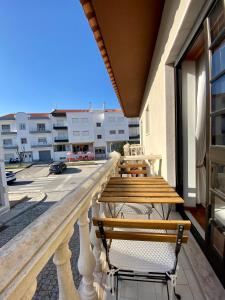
{"points": [[50, 136]]}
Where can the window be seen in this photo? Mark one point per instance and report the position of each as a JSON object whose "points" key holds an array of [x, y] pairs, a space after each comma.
{"points": [[7, 142], [112, 132], [42, 141], [59, 148], [99, 136], [98, 124], [6, 128], [121, 131], [76, 133], [23, 141], [99, 151], [22, 126], [85, 133], [41, 127], [75, 120]]}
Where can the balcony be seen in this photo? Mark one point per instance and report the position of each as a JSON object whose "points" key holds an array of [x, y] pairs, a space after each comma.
{"points": [[61, 139], [41, 145], [13, 146], [60, 126], [52, 232], [7, 132], [38, 130]]}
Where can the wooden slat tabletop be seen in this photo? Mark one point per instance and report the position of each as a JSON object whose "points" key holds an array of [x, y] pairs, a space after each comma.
{"points": [[138, 178], [142, 200], [139, 194], [139, 190]]}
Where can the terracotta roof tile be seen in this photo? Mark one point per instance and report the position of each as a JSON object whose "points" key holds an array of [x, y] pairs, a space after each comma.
{"points": [[8, 117], [36, 115]]}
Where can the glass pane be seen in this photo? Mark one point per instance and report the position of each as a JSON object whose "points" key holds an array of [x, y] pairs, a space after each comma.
{"points": [[218, 94], [218, 60], [218, 238], [216, 20], [218, 130], [218, 177], [219, 211]]}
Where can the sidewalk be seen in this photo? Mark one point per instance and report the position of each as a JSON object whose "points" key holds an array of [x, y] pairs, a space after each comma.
{"points": [[23, 203], [17, 168]]}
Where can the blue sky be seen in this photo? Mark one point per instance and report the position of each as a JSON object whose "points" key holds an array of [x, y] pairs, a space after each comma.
{"points": [[49, 58]]}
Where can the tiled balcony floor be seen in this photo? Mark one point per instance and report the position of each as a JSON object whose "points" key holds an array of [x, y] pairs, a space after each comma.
{"points": [[192, 264]]}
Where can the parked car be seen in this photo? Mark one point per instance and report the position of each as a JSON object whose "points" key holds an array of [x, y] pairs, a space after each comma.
{"points": [[57, 167], [10, 176], [14, 160]]}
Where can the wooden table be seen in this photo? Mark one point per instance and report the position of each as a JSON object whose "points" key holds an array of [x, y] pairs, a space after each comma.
{"points": [[140, 190]]}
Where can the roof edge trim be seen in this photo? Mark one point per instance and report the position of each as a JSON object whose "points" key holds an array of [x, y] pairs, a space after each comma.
{"points": [[93, 22]]}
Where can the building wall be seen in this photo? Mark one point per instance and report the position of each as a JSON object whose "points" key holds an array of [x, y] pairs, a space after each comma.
{"points": [[157, 116], [82, 128], [116, 122]]}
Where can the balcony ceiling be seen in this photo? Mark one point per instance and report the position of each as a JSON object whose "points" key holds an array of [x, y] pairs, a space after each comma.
{"points": [[126, 33]]}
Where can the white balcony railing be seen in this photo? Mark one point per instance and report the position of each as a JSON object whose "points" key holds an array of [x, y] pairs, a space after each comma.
{"points": [[23, 258], [133, 149], [41, 144], [40, 130], [8, 131]]}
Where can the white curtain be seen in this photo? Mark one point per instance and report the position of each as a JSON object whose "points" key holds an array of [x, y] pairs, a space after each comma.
{"points": [[201, 134]]}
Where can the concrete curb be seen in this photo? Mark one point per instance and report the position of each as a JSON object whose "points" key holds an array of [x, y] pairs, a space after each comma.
{"points": [[20, 169]]}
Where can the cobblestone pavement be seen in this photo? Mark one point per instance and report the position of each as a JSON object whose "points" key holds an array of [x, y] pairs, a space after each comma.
{"points": [[47, 285]]}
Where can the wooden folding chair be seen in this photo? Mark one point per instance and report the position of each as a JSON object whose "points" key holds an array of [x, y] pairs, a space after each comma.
{"points": [[142, 250]]}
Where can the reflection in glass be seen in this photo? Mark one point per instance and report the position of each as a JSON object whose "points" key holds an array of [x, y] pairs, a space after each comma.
{"points": [[219, 177], [218, 130], [218, 94], [218, 60], [219, 211], [216, 20]]}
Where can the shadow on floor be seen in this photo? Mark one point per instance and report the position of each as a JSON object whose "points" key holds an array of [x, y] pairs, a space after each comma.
{"points": [[15, 183], [71, 171]]}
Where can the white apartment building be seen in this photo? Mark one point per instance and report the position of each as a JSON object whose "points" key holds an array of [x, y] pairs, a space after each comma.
{"points": [[50, 136]]}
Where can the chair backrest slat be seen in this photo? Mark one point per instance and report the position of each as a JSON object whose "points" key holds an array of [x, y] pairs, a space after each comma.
{"points": [[142, 224], [141, 236]]}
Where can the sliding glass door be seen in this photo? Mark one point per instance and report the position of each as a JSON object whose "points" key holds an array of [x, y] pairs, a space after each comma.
{"points": [[216, 137], [200, 75]]}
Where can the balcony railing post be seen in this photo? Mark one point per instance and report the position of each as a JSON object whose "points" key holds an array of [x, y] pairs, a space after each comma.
{"points": [[97, 249], [86, 261], [61, 259]]}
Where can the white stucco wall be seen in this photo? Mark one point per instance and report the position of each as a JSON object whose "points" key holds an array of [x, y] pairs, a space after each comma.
{"points": [[177, 21]]}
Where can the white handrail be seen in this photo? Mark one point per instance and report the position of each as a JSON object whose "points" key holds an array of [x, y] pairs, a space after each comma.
{"points": [[23, 258]]}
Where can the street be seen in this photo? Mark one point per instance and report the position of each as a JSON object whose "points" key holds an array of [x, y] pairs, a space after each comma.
{"points": [[37, 179]]}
